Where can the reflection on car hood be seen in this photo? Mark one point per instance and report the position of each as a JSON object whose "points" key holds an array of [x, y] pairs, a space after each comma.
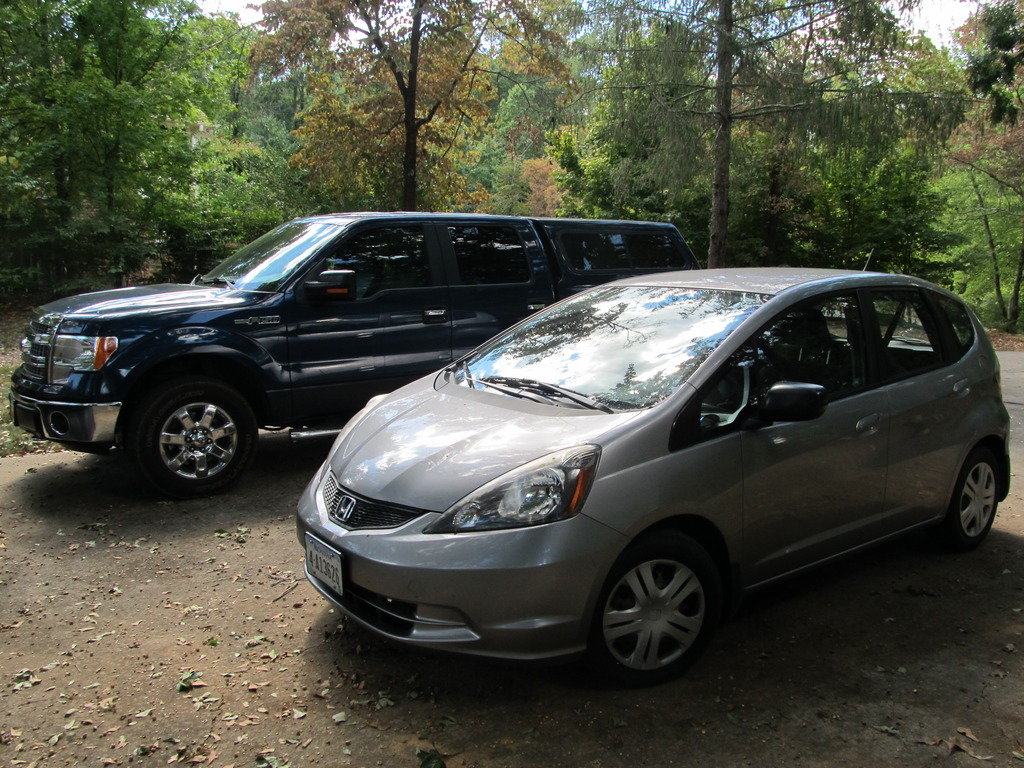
{"points": [[149, 299], [427, 449]]}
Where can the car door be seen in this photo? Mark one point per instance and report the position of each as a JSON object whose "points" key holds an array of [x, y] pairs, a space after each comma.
{"points": [[498, 274], [396, 328], [929, 402], [811, 489]]}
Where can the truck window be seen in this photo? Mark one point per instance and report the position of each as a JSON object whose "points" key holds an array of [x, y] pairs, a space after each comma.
{"points": [[489, 254], [604, 250], [389, 257]]}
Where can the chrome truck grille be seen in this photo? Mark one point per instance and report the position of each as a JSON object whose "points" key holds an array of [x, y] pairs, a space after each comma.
{"points": [[35, 347]]}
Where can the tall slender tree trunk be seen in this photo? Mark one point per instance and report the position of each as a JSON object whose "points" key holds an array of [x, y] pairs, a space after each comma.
{"points": [[996, 276], [410, 151], [719, 226], [1013, 306]]}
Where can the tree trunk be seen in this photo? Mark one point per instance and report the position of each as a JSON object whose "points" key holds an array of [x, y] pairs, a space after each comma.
{"points": [[719, 226], [996, 277], [412, 124], [1013, 307]]}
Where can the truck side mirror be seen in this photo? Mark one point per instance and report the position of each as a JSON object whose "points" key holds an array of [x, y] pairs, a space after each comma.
{"points": [[332, 285]]}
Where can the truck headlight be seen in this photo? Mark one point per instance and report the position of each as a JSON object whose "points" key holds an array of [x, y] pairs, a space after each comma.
{"points": [[551, 488], [79, 353]]}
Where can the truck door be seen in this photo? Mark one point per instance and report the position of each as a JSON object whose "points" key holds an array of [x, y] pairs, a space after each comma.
{"points": [[396, 328], [499, 275]]}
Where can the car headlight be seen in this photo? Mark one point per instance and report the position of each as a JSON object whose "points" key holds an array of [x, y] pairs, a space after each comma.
{"points": [[554, 487], [79, 353]]}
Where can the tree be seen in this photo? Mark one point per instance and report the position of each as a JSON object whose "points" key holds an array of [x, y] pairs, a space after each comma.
{"points": [[987, 148], [686, 74], [397, 83]]}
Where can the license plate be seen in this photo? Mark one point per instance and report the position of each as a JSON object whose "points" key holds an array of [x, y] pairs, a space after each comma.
{"points": [[324, 563]]}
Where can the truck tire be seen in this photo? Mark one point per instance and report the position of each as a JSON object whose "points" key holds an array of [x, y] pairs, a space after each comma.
{"points": [[192, 436]]}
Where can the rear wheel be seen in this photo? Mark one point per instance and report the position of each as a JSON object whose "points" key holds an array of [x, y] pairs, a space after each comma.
{"points": [[192, 436], [972, 508], [658, 609]]}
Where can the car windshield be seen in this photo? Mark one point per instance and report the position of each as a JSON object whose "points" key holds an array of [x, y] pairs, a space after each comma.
{"points": [[265, 263], [628, 347]]}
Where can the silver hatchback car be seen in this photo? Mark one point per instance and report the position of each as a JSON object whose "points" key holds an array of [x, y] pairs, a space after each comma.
{"points": [[610, 476]]}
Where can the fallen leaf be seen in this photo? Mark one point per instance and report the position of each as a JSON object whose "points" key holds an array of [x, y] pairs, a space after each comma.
{"points": [[430, 758], [189, 681], [339, 717], [968, 733]]}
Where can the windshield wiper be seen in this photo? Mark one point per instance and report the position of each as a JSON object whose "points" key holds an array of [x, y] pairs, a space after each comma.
{"points": [[204, 280], [544, 388]]}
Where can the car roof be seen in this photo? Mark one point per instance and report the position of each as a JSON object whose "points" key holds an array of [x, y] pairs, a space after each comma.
{"points": [[769, 280]]}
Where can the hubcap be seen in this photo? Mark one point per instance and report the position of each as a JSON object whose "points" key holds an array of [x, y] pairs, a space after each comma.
{"points": [[198, 440], [978, 499], [653, 614]]}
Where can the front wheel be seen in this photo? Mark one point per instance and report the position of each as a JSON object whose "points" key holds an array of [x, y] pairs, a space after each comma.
{"points": [[972, 509], [658, 609], [192, 436]]}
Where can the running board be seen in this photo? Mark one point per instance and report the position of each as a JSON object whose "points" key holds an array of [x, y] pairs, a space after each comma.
{"points": [[307, 434]]}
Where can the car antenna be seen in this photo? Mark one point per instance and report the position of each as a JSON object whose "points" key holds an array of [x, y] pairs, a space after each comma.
{"points": [[870, 253]]}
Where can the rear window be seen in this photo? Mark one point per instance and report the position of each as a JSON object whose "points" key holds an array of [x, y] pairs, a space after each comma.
{"points": [[591, 250], [488, 255], [959, 320]]}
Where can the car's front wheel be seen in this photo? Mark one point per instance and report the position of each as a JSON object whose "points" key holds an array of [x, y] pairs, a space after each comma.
{"points": [[192, 436], [972, 509], [659, 607]]}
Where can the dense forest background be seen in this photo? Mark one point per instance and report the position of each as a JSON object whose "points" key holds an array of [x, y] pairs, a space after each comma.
{"points": [[143, 140]]}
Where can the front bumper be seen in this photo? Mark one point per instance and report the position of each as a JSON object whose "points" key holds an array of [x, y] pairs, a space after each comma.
{"points": [[525, 593], [87, 423]]}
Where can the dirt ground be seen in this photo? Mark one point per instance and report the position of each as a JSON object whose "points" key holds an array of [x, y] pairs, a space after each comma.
{"points": [[142, 632]]}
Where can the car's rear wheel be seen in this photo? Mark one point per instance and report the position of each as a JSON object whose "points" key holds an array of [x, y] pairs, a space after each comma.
{"points": [[658, 609], [972, 509], [192, 436]]}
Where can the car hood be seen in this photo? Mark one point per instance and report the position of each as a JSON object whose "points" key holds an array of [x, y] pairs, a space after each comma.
{"points": [[148, 299], [428, 448]]}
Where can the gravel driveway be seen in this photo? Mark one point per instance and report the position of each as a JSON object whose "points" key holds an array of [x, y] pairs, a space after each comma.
{"points": [[143, 632]]}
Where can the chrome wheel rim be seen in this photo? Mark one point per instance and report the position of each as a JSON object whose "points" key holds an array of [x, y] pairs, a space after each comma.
{"points": [[653, 614], [978, 499], [198, 440]]}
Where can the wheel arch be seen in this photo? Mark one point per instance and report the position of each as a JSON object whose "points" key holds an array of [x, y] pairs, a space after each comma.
{"points": [[216, 366], [997, 445], [708, 535]]}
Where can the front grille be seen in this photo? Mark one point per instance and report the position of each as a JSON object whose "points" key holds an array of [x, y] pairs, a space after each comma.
{"points": [[35, 347], [354, 512]]}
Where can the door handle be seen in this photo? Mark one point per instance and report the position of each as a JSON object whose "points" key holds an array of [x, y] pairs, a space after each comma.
{"points": [[435, 315], [869, 424], [962, 388]]}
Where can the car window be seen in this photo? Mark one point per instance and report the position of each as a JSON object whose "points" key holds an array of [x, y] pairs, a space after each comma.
{"points": [[909, 340], [389, 257], [488, 255], [604, 250], [959, 320], [817, 343]]}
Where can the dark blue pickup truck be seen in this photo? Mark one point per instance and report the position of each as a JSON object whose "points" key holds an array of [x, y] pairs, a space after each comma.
{"points": [[304, 324]]}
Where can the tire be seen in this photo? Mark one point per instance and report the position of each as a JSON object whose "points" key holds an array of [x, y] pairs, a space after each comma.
{"points": [[192, 436], [972, 509], [673, 629]]}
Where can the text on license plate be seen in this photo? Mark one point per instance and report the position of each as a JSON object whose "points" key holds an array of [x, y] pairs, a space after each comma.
{"points": [[324, 563]]}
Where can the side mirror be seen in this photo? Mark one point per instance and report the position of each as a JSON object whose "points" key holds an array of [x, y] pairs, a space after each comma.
{"points": [[793, 401], [332, 285]]}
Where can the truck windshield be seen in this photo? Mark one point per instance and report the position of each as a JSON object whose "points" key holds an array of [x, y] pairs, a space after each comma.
{"points": [[628, 347], [265, 263]]}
